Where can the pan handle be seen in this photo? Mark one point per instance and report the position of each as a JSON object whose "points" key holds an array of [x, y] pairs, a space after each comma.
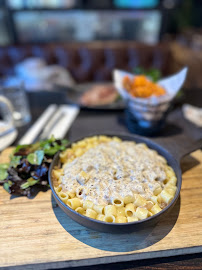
{"points": [[180, 146]]}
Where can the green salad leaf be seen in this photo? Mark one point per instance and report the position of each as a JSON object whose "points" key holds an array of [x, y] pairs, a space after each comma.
{"points": [[24, 185], [30, 182], [44, 143], [7, 187], [36, 158], [3, 171], [4, 166], [50, 151], [20, 146], [153, 73], [15, 161]]}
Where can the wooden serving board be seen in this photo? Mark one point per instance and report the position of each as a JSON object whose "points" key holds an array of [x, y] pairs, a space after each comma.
{"points": [[36, 233]]}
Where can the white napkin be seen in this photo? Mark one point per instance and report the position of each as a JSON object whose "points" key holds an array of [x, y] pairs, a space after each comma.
{"points": [[36, 128], [193, 114], [69, 113]]}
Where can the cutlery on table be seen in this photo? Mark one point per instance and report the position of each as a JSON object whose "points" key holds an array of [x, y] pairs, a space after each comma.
{"points": [[55, 120]]}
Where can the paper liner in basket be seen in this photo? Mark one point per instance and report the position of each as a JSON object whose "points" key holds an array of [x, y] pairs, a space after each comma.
{"points": [[152, 108]]}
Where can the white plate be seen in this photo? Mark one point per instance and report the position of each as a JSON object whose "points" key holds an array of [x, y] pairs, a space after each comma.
{"points": [[8, 139]]}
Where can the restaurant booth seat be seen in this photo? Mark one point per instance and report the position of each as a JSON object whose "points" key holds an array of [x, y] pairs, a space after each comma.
{"points": [[92, 61]]}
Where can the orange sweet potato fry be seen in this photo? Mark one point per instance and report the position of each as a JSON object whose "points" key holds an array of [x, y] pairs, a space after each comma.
{"points": [[140, 80], [141, 87]]}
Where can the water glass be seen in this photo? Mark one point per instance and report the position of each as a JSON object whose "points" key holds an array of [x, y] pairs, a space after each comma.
{"points": [[17, 96]]}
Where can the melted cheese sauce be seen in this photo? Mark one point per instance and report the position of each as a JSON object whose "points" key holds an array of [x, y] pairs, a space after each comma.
{"points": [[115, 170]]}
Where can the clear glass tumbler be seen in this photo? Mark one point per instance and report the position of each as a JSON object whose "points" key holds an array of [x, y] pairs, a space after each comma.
{"points": [[18, 98]]}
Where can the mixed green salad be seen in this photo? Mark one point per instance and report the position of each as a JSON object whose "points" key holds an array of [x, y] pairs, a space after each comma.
{"points": [[29, 165], [153, 73]]}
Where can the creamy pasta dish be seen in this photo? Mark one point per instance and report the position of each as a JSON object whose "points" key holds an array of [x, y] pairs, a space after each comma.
{"points": [[111, 180]]}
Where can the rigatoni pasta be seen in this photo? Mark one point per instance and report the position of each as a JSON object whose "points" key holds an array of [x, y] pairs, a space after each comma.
{"points": [[114, 181], [130, 210]]}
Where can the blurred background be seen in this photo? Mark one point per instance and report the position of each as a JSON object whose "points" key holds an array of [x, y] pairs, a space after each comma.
{"points": [[148, 21], [91, 38]]}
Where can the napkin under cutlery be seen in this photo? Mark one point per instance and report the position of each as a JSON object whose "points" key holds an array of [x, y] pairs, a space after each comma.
{"points": [[55, 120]]}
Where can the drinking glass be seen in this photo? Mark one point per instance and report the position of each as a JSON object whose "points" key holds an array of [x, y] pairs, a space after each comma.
{"points": [[17, 96]]}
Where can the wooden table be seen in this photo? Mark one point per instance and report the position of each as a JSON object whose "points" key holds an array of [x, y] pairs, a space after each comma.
{"points": [[36, 233]]}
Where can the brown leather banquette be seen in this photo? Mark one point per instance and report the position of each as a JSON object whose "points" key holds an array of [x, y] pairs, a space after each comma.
{"points": [[90, 61]]}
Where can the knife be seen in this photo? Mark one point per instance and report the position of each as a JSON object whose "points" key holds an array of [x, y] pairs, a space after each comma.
{"points": [[33, 132]]}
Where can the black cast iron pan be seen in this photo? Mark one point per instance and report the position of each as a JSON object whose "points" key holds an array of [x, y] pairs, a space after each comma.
{"points": [[173, 152]]}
